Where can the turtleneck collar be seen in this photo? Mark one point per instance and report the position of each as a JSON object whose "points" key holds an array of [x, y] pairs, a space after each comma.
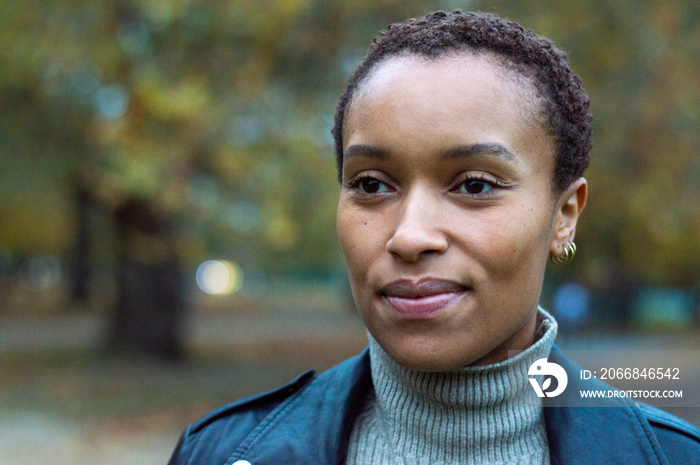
{"points": [[477, 414]]}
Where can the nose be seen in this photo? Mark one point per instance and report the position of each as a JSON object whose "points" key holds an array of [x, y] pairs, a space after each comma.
{"points": [[418, 231]]}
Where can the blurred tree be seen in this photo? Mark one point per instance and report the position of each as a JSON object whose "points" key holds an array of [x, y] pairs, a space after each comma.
{"points": [[199, 128], [202, 129], [640, 62]]}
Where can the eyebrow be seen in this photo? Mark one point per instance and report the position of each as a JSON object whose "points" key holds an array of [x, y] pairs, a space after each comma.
{"points": [[459, 151], [474, 150], [368, 151]]}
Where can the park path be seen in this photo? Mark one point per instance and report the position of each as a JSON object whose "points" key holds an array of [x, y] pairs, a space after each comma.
{"points": [[84, 331], [87, 330]]}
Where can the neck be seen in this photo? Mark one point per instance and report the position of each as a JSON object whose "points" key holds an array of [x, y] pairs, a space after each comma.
{"points": [[486, 413]]}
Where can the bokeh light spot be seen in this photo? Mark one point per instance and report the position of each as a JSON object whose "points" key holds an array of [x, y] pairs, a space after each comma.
{"points": [[219, 277], [111, 101], [40, 273]]}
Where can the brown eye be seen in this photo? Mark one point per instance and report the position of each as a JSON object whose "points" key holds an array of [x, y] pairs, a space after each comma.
{"points": [[476, 186], [367, 185], [370, 185]]}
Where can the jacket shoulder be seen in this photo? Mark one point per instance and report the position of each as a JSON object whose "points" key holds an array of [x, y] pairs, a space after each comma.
{"points": [[212, 438], [662, 419], [679, 439], [263, 402], [305, 405], [617, 429]]}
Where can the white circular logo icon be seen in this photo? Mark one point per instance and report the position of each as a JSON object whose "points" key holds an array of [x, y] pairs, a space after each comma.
{"points": [[548, 369]]}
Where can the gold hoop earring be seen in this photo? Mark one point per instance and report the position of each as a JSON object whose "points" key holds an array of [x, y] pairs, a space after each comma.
{"points": [[567, 256]]}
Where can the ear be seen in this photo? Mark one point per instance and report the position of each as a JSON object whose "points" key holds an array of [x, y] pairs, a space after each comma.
{"points": [[568, 208]]}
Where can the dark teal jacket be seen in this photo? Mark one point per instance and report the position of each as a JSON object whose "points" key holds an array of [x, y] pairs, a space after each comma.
{"points": [[309, 420]]}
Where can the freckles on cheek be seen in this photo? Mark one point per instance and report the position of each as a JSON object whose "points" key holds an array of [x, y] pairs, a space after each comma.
{"points": [[364, 232], [353, 231]]}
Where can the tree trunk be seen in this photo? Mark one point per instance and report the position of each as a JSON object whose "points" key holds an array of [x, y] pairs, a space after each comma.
{"points": [[79, 262], [150, 304]]}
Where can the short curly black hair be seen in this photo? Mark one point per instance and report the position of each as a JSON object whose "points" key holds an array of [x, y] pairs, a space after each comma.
{"points": [[565, 105]]}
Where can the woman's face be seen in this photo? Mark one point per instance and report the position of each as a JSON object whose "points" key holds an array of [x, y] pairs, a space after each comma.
{"points": [[447, 213]]}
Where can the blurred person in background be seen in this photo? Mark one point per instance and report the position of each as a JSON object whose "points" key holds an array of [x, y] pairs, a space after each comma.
{"points": [[461, 142], [571, 303]]}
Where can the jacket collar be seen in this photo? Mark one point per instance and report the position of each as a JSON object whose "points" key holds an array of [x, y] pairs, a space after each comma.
{"points": [[313, 426]]}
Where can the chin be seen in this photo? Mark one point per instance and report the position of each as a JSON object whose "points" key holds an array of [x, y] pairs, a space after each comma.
{"points": [[428, 365], [428, 357]]}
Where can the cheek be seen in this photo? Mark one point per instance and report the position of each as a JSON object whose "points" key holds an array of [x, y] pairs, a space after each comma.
{"points": [[355, 239], [516, 243], [363, 232]]}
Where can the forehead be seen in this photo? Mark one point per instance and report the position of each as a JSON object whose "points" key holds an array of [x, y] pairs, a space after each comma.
{"points": [[452, 98], [463, 77]]}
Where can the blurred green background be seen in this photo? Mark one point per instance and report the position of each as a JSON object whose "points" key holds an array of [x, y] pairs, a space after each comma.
{"points": [[154, 150]]}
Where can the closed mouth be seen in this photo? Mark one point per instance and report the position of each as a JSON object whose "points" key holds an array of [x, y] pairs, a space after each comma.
{"points": [[426, 287], [417, 299]]}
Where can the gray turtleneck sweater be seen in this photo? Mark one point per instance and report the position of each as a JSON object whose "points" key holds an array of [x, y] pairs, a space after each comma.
{"points": [[485, 414]]}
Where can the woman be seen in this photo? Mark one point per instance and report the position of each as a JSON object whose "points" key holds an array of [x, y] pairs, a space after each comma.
{"points": [[461, 142]]}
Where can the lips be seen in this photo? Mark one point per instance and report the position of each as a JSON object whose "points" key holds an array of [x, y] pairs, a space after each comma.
{"points": [[422, 298]]}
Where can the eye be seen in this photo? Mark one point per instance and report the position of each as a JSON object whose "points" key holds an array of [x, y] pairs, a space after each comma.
{"points": [[368, 185], [475, 186], [371, 186]]}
